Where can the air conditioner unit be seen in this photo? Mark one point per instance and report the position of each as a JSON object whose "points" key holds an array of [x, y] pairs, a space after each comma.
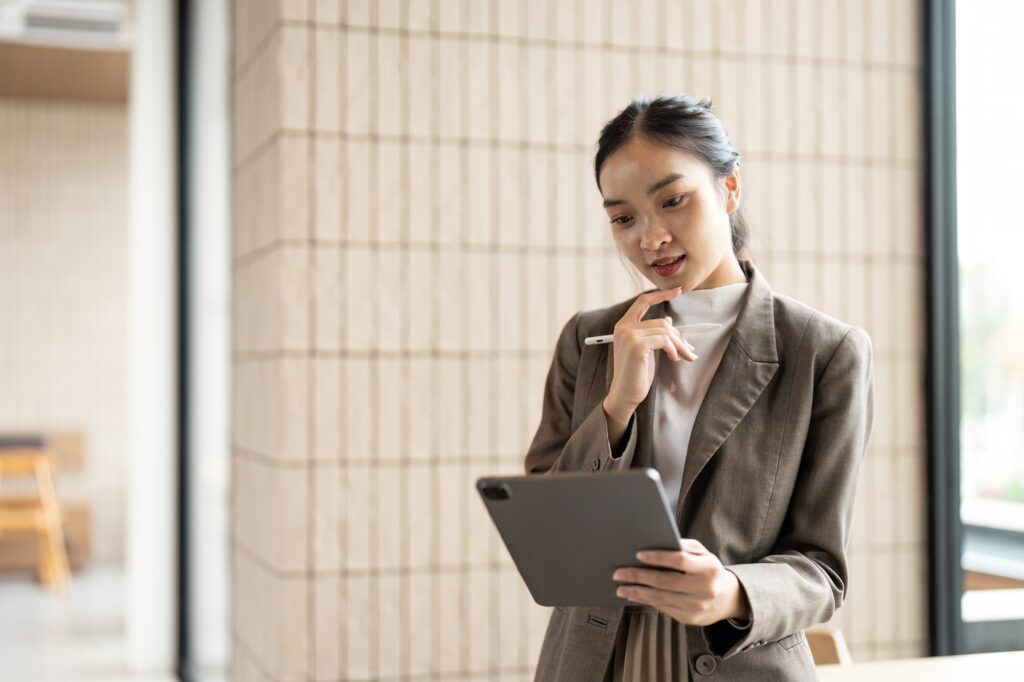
{"points": [[97, 24]]}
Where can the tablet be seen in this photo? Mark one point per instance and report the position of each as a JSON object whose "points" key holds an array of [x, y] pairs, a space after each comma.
{"points": [[568, 532]]}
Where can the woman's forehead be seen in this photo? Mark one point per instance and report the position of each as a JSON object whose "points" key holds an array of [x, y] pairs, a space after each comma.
{"points": [[637, 164]]}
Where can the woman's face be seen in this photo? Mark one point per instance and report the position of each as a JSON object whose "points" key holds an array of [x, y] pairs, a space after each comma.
{"points": [[663, 203]]}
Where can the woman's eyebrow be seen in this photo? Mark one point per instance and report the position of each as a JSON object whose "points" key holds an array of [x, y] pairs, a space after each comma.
{"points": [[671, 177]]}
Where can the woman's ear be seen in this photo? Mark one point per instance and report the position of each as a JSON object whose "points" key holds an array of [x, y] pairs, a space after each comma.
{"points": [[732, 188]]}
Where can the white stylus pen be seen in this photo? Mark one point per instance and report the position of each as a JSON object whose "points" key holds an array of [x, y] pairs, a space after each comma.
{"points": [[686, 328]]}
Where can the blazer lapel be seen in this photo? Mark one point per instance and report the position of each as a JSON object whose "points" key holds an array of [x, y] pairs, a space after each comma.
{"points": [[748, 365]]}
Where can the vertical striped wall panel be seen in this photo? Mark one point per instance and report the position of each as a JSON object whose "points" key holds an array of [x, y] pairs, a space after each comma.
{"points": [[415, 218]]}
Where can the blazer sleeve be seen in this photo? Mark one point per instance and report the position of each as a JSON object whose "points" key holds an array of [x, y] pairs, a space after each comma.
{"points": [[555, 446], [805, 580]]}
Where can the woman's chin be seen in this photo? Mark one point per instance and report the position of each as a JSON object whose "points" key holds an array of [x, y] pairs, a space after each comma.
{"points": [[675, 280]]}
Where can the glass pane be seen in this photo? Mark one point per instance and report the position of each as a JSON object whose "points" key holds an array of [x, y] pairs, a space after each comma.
{"points": [[209, 608], [990, 144]]}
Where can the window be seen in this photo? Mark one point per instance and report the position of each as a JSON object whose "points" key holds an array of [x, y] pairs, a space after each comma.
{"points": [[975, 376], [990, 144]]}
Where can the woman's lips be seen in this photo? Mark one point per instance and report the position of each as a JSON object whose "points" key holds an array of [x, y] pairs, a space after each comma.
{"points": [[669, 268]]}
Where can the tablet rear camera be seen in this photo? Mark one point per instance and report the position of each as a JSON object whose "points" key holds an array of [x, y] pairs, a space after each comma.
{"points": [[495, 492]]}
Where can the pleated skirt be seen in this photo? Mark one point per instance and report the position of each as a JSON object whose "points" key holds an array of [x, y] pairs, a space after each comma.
{"points": [[649, 647]]}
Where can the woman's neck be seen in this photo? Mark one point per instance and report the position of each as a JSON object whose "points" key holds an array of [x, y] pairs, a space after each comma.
{"points": [[728, 271]]}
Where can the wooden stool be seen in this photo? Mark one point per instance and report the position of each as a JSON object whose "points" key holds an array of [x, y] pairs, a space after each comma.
{"points": [[39, 513], [828, 645]]}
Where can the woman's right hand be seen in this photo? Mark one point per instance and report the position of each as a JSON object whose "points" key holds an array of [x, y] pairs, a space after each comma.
{"points": [[636, 341]]}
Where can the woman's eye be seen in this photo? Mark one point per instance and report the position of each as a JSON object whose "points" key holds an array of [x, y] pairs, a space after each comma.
{"points": [[621, 220], [674, 201]]}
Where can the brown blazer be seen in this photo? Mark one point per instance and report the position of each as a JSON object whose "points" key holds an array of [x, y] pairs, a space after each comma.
{"points": [[768, 485]]}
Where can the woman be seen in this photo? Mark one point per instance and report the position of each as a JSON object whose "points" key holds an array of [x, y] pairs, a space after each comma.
{"points": [[757, 428]]}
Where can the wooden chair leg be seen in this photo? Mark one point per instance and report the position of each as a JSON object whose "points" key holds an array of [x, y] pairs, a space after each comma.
{"points": [[54, 539], [58, 562], [44, 570]]}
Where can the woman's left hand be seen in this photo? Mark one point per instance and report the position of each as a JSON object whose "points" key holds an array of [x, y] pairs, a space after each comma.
{"points": [[690, 585]]}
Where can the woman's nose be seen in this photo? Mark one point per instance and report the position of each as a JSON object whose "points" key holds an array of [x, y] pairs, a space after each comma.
{"points": [[654, 236]]}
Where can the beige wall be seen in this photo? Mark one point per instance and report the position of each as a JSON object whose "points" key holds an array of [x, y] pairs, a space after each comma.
{"points": [[400, 164], [63, 298]]}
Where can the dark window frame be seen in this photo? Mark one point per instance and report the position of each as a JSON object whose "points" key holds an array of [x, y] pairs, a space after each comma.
{"points": [[942, 382], [184, 87]]}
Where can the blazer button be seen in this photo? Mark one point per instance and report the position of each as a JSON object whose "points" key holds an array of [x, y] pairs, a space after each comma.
{"points": [[706, 664], [596, 464]]}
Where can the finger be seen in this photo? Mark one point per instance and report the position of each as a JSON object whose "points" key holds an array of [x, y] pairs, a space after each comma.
{"points": [[693, 545], [634, 594], [665, 323], [659, 598], [670, 328], [672, 348], [657, 323], [669, 580], [686, 341], [660, 339], [664, 327], [674, 559], [685, 348], [677, 341], [647, 299]]}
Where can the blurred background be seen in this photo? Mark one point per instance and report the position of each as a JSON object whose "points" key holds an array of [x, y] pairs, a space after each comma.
{"points": [[243, 406]]}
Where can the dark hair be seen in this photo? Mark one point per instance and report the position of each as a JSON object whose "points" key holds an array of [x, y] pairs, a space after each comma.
{"points": [[682, 122]]}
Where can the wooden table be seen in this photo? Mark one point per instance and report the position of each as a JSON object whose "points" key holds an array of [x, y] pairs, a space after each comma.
{"points": [[1007, 665]]}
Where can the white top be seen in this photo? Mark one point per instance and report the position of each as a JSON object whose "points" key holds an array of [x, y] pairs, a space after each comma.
{"points": [[682, 385]]}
